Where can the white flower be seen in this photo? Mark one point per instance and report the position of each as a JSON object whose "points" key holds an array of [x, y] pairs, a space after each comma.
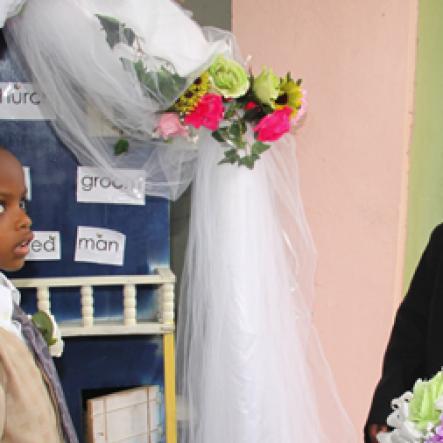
{"points": [[405, 431], [400, 411], [56, 350]]}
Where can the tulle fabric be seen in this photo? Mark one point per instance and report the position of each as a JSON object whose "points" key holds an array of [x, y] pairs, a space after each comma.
{"points": [[9, 8], [94, 89], [250, 367]]}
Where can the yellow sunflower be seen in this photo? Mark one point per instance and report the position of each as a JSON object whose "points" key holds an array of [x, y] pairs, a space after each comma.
{"points": [[290, 94], [190, 98]]}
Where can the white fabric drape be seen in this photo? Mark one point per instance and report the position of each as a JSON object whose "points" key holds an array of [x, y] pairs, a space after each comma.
{"points": [[9, 8], [250, 368]]}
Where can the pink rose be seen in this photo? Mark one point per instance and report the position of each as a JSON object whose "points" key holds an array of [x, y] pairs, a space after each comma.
{"points": [[208, 112], [273, 126], [170, 125]]}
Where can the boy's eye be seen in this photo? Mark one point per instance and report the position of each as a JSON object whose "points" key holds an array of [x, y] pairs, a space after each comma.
{"points": [[23, 204], [2, 207]]}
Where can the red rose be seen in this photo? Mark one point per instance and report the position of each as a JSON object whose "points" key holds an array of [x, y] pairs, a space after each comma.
{"points": [[208, 112], [273, 126]]}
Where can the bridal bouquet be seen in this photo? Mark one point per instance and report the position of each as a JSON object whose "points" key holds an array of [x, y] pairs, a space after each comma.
{"points": [[417, 416], [243, 112]]}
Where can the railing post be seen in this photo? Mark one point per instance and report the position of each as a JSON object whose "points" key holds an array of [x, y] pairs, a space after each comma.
{"points": [[129, 305], [166, 300], [87, 302], [43, 302], [167, 304]]}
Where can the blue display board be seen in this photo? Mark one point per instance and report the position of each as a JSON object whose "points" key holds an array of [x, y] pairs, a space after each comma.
{"points": [[53, 207], [88, 364]]}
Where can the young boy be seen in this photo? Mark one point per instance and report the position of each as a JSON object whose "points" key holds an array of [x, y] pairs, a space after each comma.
{"points": [[32, 405]]}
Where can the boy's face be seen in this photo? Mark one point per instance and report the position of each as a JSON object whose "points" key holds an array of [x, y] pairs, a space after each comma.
{"points": [[15, 225]]}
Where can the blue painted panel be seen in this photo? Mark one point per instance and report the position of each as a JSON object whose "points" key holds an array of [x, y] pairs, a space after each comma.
{"points": [[102, 363], [54, 208], [107, 365]]}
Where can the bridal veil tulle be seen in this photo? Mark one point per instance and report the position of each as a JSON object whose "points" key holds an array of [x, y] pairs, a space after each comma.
{"points": [[249, 363], [250, 367]]}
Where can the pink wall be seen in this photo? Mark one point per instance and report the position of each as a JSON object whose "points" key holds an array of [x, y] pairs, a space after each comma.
{"points": [[357, 60]]}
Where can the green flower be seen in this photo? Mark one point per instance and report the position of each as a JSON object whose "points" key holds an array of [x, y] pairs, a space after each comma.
{"points": [[45, 325], [266, 87], [228, 77], [422, 408]]}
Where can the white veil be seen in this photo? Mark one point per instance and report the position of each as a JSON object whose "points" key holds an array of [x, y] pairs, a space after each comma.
{"points": [[250, 368], [9, 8], [87, 68]]}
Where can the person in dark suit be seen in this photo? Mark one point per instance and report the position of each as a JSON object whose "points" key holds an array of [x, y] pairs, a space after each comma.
{"points": [[415, 347]]}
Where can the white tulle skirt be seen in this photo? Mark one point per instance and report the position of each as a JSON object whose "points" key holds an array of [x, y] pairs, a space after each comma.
{"points": [[250, 368]]}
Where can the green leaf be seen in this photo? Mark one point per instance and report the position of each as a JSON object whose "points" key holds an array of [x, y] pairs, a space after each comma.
{"points": [[116, 32], [121, 146], [218, 136], [162, 85], [232, 109], [224, 133], [231, 156], [129, 35], [239, 143], [229, 113], [170, 85], [235, 131], [138, 67], [226, 160], [112, 28], [243, 126], [247, 161], [259, 147]]}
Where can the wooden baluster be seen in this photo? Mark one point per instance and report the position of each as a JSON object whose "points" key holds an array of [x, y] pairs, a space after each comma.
{"points": [[43, 302], [129, 305], [87, 302], [167, 304]]}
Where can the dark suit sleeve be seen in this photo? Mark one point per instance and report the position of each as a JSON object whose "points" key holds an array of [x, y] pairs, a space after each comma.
{"points": [[405, 357]]}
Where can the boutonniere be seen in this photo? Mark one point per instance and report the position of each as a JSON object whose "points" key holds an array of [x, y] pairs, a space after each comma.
{"points": [[50, 331]]}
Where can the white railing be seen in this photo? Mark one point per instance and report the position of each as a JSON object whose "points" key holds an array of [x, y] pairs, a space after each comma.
{"points": [[163, 278]]}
